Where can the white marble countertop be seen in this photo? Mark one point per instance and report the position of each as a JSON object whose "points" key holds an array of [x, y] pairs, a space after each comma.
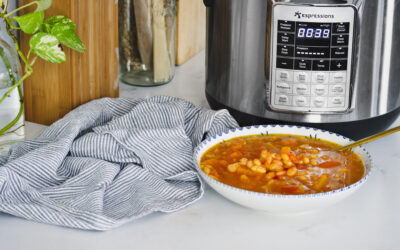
{"points": [[369, 219]]}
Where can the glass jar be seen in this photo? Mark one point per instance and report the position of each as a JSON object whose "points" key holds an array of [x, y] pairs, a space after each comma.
{"points": [[11, 99], [146, 41]]}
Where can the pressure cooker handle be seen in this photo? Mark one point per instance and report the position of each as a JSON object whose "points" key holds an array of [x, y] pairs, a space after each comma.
{"points": [[208, 3]]}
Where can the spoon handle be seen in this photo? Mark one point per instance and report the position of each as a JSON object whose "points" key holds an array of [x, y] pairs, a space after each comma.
{"points": [[370, 138]]}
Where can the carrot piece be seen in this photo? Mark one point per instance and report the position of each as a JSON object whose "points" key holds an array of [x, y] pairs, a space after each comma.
{"points": [[289, 189], [293, 157], [285, 150], [301, 189], [289, 142], [236, 154], [321, 182], [244, 178], [211, 161], [329, 164]]}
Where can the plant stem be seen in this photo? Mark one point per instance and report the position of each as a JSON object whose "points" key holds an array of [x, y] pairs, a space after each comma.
{"points": [[13, 131], [28, 69], [15, 84], [12, 77], [8, 66], [20, 8], [20, 112], [21, 55], [4, 6], [27, 74], [14, 27]]}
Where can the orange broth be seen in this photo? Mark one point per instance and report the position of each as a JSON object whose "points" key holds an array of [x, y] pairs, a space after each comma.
{"points": [[282, 164]]}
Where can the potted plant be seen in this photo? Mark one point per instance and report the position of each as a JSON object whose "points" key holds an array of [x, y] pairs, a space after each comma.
{"points": [[47, 37]]}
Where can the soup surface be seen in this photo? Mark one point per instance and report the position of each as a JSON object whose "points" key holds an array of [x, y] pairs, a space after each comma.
{"points": [[282, 164]]}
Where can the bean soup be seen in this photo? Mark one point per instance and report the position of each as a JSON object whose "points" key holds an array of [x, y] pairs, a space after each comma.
{"points": [[282, 164]]}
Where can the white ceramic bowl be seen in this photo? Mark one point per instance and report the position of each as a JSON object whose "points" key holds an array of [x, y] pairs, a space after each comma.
{"points": [[275, 203]]}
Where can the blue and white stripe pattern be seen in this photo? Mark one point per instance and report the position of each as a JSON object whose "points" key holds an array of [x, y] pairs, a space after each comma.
{"points": [[108, 162]]}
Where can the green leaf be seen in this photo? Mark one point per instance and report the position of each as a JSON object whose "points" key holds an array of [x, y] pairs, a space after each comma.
{"points": [[50, 22], [67, 36], [43, 4], [47, 47], [30, 23]]}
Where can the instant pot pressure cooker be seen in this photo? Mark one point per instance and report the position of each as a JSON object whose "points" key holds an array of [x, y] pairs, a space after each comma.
{"points": [[329, 64]]}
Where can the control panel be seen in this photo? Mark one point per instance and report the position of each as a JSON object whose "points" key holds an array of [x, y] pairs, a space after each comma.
{"points": [[311, 54]]}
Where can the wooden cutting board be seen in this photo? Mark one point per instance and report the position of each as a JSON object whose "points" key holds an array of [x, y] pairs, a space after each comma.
{"points": [[54, 89], [190, 29]]}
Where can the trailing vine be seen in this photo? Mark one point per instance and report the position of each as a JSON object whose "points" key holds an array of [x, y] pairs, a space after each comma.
{"points": [[47, 37]]}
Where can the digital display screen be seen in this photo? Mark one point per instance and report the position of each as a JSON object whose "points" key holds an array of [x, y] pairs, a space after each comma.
{"points": [[313, 34]]}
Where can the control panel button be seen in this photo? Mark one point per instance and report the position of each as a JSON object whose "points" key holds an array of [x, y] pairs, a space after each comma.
{"points": [[337, 89], [320, 77], [318, 102], [341, 27], [338, 77], [340, 40], [302, 76], [285, 50], [301, 101], [284, 75], [282, 99], [286, 38], [282, 87], [319, 90], [338, 65], [339, 52], [301, 89], [320, 65], [287, 26], [336, 101], [302, 64], [284, 63]]}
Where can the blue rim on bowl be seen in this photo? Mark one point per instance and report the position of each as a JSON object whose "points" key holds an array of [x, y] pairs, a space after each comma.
{"points": [[367, 165]]}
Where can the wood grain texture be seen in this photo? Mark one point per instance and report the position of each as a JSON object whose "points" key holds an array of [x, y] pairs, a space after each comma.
{"points": [[190, 31], [55, 89]]}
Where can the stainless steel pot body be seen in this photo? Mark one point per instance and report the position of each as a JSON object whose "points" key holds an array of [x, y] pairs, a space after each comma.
{"points": [[238, 60]]}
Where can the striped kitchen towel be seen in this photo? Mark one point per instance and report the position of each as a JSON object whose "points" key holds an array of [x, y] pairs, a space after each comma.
{"points": [[108, 162]]}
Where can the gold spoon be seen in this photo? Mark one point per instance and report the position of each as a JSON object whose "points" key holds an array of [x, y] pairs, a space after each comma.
{"points": [[369, 139]]}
